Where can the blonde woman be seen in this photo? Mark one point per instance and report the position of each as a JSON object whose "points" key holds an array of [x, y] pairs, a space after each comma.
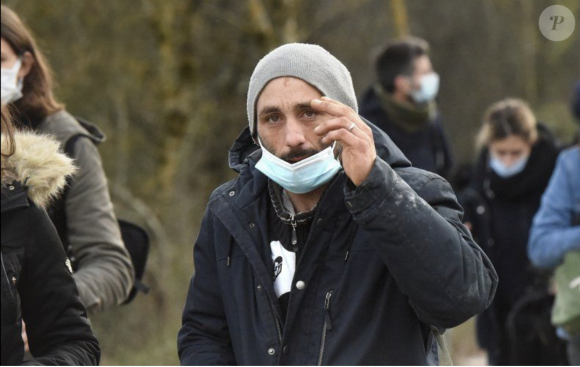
{"points": [[517, 158]]}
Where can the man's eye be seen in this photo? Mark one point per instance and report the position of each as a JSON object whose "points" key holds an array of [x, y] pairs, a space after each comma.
{"points": [[273, 118], [309, 114]]}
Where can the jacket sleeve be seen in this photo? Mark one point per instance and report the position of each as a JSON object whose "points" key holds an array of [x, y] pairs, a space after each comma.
{"points": [[105, 272], [421, 239], [59, 332], [204, 337], [552, 234]]}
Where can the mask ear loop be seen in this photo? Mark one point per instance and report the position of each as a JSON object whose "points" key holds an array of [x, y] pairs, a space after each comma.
{"points": [[338, 156], [20, 84], [333, 149], [16, 69], [17, 65], [263, 147]]}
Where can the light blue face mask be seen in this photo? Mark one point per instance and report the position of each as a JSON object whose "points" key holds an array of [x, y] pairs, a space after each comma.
{"points": [[428, 88], [508, 171], [300, 177]]}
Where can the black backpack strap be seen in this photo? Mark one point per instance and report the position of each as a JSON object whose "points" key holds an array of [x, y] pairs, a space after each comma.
{"points": [[57, 211]]}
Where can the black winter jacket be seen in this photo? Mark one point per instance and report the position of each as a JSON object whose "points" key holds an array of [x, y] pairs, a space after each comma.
{"points": [[501, 211], [382, 263], [428, 149], [37, 286]]}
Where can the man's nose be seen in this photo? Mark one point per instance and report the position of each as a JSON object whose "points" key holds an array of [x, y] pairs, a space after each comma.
{"points": [[294, 133]]}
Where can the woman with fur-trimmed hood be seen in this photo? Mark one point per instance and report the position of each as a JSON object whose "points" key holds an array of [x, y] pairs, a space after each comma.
{"points": [[37, 284], [84, 216]]}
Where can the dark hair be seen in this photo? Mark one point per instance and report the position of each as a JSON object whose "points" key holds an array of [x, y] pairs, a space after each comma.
{"points": [[397, 58], [505, 118], [38, 99], [8, 146]]}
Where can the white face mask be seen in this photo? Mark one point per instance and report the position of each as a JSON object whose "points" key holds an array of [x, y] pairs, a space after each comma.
{"points": [[11, 84], [428, 88], [504, 171]]}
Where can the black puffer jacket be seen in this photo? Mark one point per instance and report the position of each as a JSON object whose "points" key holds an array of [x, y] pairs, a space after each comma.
{"points": [[382, 262], [501, 211], [37, 286], [428, 149], [502, 228]]}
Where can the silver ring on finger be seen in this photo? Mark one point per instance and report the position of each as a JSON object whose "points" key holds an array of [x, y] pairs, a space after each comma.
{"points": [[352, 126]]}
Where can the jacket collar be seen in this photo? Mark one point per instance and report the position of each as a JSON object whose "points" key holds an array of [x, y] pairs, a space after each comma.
{"points": [[37, 164], [276, 193], [63, 126]]}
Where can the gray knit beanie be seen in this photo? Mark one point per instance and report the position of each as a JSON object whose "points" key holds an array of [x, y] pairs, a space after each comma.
{"points": [[311, 63]]}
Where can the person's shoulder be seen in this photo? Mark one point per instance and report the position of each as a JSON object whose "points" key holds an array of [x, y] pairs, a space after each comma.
{"points": [[570, 158], [62, 125], [571, 153], [222, 189], [61, 120]]}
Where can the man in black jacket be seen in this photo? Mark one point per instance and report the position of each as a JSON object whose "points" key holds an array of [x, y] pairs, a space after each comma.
{"points": [[328, 248], [402, 104]]}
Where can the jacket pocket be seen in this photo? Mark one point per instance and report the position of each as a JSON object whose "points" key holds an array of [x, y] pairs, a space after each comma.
{"points": [[326, 326]]}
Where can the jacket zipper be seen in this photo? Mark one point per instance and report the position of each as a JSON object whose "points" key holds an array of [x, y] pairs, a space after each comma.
{"points": [[278, 328], [327, 326], [276, 321], [294, 225], [6, 275]]}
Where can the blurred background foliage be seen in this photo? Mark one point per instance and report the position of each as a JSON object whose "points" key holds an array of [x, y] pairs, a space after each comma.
{"points": [[167, 81]]}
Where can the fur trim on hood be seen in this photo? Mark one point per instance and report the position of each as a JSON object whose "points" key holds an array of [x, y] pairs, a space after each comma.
{"points": [[39, 164]]}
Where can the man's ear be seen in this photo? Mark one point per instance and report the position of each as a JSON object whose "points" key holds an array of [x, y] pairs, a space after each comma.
{"points": [[27, 64], [403, 84]]}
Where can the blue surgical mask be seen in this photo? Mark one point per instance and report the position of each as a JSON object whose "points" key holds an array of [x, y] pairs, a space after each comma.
{"points": [[508, 171], [428, 88], [300, 177]]}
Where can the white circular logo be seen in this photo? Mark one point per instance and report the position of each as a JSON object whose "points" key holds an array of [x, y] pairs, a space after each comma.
{"points": [[557, 23]]}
